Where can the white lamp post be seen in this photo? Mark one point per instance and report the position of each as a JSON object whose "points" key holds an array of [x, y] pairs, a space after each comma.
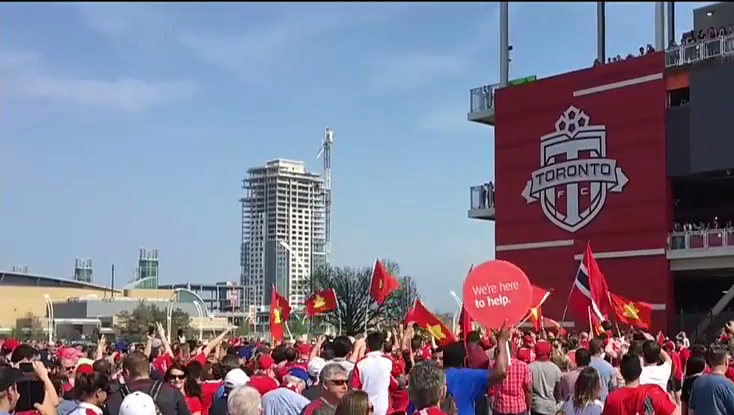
{"points": [[50, 313], [201, 319], [454, 320]]}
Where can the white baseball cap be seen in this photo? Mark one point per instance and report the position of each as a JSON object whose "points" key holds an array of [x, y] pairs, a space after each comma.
{"points": [[137, 403], [235, 378]]}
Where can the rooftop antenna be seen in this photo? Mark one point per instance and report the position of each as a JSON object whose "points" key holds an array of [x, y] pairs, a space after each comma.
{"points": [[325, 154]]}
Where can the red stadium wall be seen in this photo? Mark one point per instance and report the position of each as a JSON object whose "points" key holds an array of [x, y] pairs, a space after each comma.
{"points": [[597, 175]]}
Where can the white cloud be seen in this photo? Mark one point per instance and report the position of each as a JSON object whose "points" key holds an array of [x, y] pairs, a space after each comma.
{"points": [[257, 52], [125, 94], [26, 76]]}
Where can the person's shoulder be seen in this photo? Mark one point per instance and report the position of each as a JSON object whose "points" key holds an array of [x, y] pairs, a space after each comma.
{"points": [[620, 394], [312, 408]]}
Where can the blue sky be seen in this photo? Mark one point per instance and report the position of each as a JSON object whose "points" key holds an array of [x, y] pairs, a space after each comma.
{"points": [[132, 125]]}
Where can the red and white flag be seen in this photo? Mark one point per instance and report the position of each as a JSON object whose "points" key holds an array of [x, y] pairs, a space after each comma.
{"points": [[589, 293]]}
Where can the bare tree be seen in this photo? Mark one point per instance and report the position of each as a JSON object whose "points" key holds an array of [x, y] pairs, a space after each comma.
{"points": [[352, 291]]}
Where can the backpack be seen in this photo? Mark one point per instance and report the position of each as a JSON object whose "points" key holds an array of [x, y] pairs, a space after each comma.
{"points": [[153, 391]]}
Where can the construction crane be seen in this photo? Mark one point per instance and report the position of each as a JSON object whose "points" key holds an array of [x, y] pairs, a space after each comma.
{"points": [[325, 154]]}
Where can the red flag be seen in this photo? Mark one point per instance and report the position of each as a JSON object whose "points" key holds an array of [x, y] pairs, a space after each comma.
{"points": [[433, 325], [382, 284], [594, 323], [536, 314], [321, 302], [634, 313], [590, 291], [465, 320], [409, 316], [280, 310], [465, 323], [551, 324]]}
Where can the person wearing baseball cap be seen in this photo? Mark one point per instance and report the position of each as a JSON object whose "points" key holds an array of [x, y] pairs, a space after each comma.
{"points": [[234, 379], [546, 378], [9, 395], [263, 380]]}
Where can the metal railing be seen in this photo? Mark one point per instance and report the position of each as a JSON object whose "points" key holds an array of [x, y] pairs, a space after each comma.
{"points": [[695, 52], [482, 98], [711, 239], [482, 196]]}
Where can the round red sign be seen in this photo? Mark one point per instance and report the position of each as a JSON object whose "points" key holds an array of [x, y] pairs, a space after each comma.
{"points": [[496, 291]]}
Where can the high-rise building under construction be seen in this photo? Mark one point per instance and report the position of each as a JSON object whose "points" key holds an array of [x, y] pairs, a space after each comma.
{"points": [[284, 232], [83, 270]]}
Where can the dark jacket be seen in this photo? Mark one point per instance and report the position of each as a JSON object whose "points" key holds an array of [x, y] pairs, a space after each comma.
{"points": [[219, 405], [170, 400]]}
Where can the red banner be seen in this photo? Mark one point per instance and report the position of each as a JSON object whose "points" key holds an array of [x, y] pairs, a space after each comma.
{"points": [[581, 157]]}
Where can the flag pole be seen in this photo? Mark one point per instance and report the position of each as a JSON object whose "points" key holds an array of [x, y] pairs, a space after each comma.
{"points": [[573, 285], [540, 304], [338, 311], [591, 323], [616, 323], [369, 292], [288, 329]]}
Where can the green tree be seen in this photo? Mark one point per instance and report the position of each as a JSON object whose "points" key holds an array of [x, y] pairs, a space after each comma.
{"points": [[352, 291], [134, 325], [29, 327]]}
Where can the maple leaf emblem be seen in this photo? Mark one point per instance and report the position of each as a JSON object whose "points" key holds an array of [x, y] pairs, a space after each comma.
{"points": [[436, 331]]}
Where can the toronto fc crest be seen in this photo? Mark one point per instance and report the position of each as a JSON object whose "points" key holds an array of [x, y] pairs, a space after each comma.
{"points": [[575, 175]]}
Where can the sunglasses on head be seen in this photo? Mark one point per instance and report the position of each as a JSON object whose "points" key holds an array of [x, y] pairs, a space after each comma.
{"points": [[179, 377]]}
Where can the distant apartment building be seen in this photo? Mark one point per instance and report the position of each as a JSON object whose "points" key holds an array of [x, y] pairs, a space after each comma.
{"points": [[283, 232]]}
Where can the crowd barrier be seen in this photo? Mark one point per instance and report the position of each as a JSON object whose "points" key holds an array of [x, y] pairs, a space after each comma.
{"points": [[716, 238], [703, 50]]}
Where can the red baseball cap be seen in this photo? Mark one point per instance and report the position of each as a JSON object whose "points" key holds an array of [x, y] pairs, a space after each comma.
{"points": [[304, 349], [542, 349], [265, 362], [9, 345], [84, 369]]}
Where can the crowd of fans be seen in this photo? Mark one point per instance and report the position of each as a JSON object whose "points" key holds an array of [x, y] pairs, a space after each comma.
{"points": [[506, 372], [701, 226], [486, 195], [643, 51]]}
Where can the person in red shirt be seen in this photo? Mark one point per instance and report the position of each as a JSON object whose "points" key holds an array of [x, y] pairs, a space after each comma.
{"points": [[677, 368], [177, 376], [636, 399], [291, 362], [333, 384], [183, 353], [514, 393], [427, 388], [683, 351], [526, 352], [476, 355], [263, 379]]}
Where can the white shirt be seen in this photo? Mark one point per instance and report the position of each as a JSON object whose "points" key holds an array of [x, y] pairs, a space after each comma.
{"points": [[373, 374], [656, 375]]}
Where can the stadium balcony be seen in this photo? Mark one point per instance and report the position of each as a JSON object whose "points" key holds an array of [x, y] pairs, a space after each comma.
{"points": [[481, 104], [704, 249], [691, 53], [481, 202]]}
